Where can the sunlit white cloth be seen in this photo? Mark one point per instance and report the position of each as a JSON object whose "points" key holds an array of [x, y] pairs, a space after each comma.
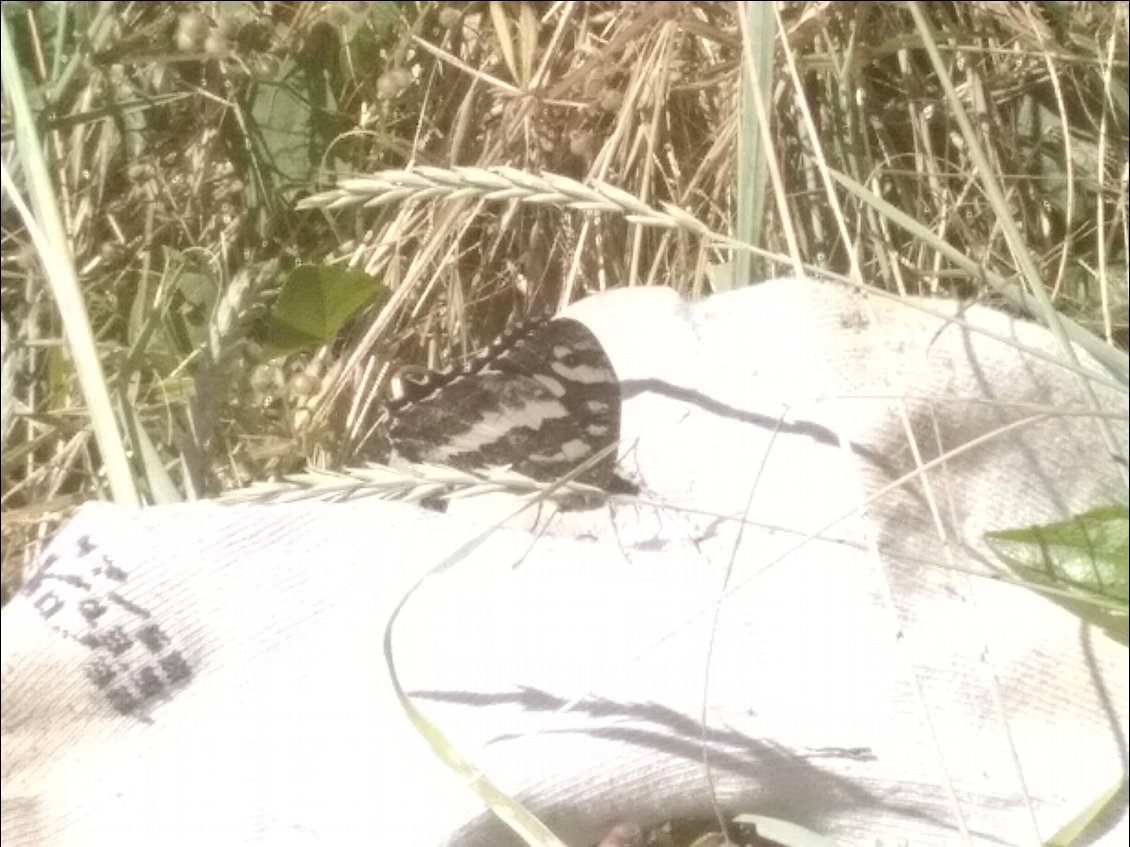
{"points": [[781, 617]]}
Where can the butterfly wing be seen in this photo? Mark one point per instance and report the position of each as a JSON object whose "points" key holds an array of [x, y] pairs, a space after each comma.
{"points": [[541, 401]]}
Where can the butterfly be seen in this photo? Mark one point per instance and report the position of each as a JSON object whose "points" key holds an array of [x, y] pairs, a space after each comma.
{"points": [[540, 400]]}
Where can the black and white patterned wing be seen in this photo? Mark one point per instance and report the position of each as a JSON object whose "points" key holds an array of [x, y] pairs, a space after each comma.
{"points": [[541, 399]]}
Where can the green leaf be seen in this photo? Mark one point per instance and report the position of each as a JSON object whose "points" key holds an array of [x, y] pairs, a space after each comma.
{"points": [[376, 19], [315, 303], [1075, 831], [1085, 556], [282, 127]]}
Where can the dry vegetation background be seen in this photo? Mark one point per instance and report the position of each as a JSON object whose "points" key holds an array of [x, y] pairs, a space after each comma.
{"points": [[526, 154]]}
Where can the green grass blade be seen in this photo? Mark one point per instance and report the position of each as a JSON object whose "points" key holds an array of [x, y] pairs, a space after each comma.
{"points": [[54, 252]]}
